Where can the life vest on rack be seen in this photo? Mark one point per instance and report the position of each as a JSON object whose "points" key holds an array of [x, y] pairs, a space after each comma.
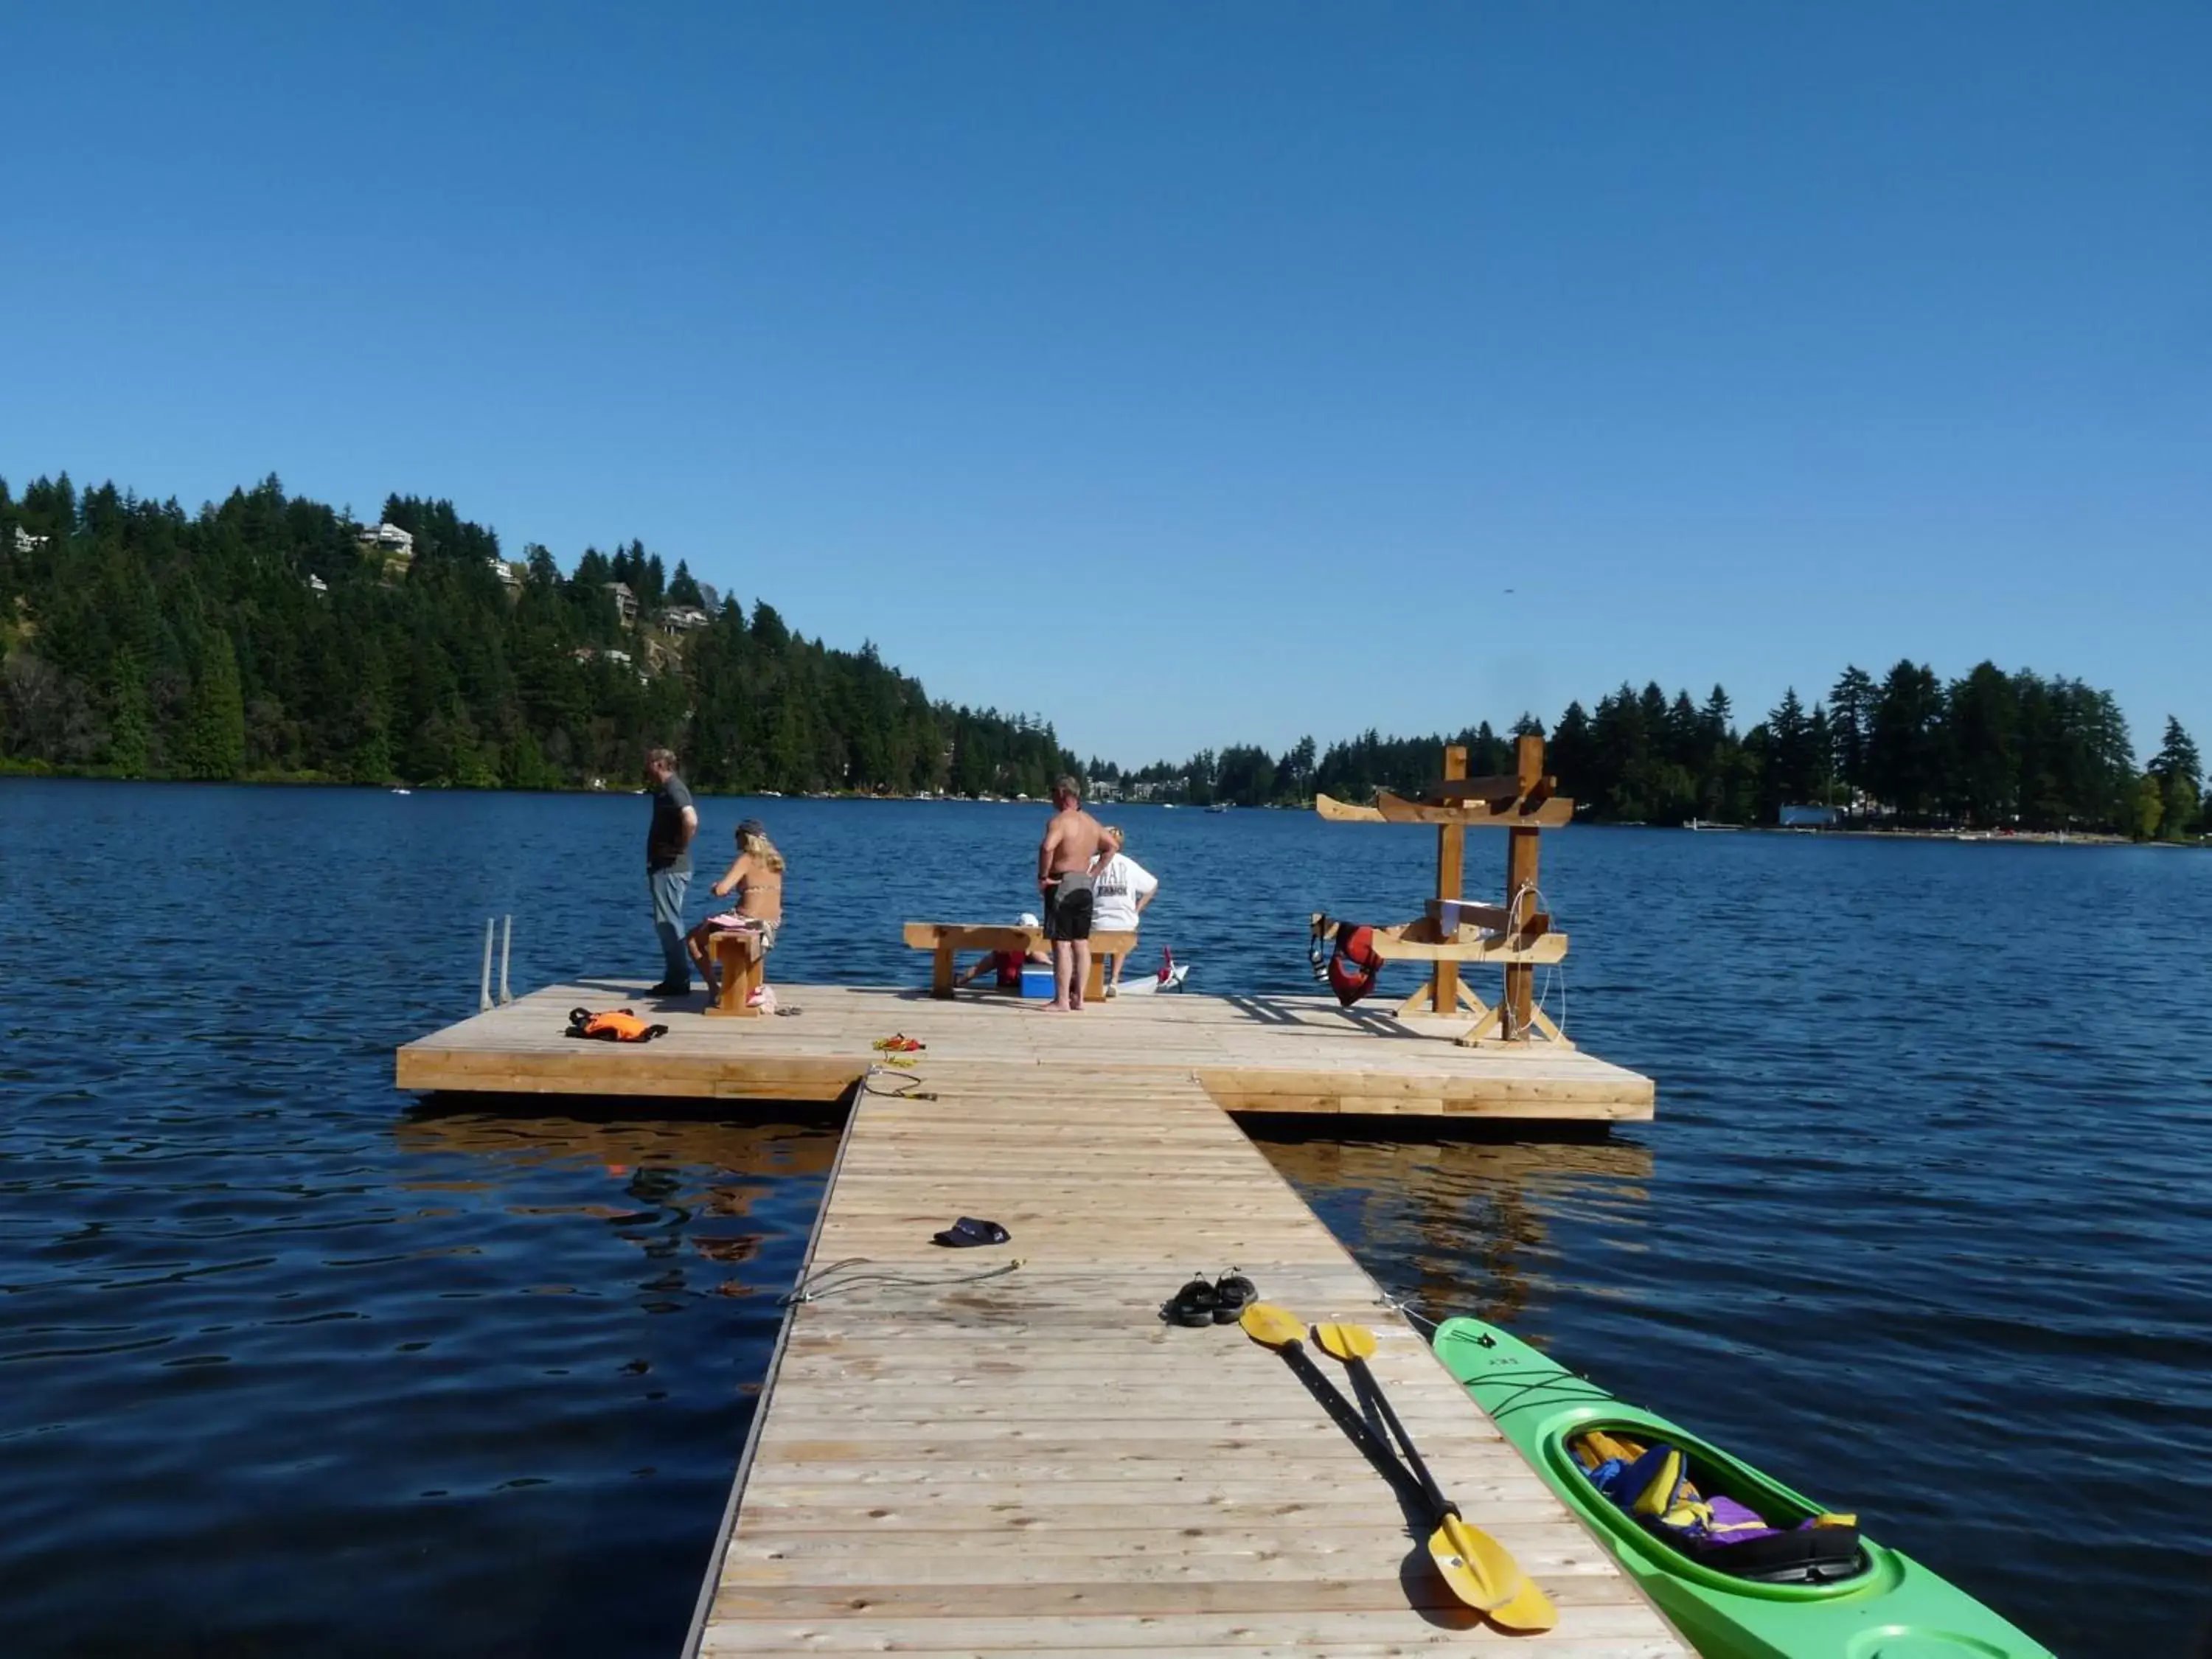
{"points": [[612, 1025], [1353, 964]]}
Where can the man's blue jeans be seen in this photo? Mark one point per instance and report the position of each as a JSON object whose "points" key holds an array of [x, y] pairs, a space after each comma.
{"points": [[668, 888]]}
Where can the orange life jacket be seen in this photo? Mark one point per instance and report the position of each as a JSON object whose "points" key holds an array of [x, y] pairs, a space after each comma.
{"points": [[612, 1025]]}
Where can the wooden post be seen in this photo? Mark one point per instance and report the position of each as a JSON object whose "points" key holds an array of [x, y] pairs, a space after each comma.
{"points": [[1451, 844], [1521, 871]]}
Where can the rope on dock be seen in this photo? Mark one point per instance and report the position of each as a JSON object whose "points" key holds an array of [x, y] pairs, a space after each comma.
{"points": [[811, 1289]]}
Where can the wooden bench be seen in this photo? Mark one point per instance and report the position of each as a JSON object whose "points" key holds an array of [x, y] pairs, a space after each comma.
{"points": [[737, 952], [947, 938]]}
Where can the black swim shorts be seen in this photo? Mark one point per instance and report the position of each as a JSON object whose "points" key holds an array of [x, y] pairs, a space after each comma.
{"points": [[1068, 906]]}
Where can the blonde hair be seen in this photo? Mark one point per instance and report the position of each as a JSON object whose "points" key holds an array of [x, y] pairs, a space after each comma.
{"points": [[758, 846], [1115, 831]]}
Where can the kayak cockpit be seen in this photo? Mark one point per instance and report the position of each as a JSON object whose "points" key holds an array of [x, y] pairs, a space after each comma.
{"points": [[1697, 1511]]}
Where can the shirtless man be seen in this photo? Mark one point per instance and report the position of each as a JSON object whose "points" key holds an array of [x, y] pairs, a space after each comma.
{"points": [[1073, 843]]}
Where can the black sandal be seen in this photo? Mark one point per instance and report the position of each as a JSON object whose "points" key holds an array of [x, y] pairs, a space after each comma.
{"points": [[1196, 1305], [1232, 1294]]}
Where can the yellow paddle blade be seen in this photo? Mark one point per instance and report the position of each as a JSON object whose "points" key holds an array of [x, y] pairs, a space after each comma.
{"points": [[1263, 1321], [1482, 1572], [1346, 1342], [1531, 1610]]}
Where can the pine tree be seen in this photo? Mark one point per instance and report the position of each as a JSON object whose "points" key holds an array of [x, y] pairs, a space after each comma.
{"points": [[2180, 772], [215, 735], [131, 723]]}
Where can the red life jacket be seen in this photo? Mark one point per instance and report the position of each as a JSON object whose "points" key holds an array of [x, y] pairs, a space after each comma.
{"points": [[1353, 965]]}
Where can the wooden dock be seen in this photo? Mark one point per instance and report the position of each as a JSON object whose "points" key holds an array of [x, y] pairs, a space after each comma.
{"points": [[1005, 1450], [1032, 1462], [1256, 1053]]}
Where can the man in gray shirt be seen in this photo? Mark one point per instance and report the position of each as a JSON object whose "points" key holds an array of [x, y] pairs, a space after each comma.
{"points": [[668, 866]]}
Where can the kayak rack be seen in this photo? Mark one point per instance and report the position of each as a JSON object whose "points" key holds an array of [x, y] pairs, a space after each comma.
{"points": [[1516, 935]]}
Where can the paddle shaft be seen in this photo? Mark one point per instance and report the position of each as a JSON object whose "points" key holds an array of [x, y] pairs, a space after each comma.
{"points": [[1373, 1390], [1338, 1407]]}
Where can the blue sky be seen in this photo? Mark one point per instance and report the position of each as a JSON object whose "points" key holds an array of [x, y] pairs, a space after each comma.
{"points": [[1188, 375]]}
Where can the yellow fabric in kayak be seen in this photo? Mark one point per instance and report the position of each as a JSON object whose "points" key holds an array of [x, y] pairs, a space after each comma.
{"points": [[1659, 1496]]}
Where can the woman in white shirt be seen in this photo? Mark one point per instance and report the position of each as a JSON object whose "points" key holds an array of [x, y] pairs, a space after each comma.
{"points": [[1120, 888]]}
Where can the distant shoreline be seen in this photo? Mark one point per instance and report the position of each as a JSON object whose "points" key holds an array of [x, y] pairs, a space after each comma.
{"points": [[295, 781]]}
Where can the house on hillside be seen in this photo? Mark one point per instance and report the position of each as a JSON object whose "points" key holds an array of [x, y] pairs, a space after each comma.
{"points": [[386, 538], [682, 619], [625, 602]]}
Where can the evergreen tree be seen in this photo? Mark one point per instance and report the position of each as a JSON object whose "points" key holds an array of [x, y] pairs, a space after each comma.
{"points": [[215, 739], [131, 723], [1851, 724], [2180, 772]]}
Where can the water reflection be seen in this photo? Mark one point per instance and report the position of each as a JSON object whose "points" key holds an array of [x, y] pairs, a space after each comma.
{"points": [[1459, 1225], [688, 1185]]}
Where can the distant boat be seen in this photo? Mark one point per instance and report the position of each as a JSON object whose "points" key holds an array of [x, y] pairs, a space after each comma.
{"points": [[1706, 823], [403, 791], [1220, 807], [1167, 806]]}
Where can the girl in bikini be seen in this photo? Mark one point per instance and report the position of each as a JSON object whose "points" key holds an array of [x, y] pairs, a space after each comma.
{"points": [[756, 878]]}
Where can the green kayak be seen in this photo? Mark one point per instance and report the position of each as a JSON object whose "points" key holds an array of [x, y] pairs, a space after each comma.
{"points": [[1745, 1567]]}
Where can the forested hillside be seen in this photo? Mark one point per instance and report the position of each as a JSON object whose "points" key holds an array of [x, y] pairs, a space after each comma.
{"points": [[1991, 750], [271, 637]]}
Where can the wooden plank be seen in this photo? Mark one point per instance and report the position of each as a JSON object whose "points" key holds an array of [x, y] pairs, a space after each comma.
{"points": [[1451, 883], [1423, 940], [1245, 1050], [1344, 811], [1551, 814], [1491, 918], [1015, 1464], [737, 953], [1521, 890]]}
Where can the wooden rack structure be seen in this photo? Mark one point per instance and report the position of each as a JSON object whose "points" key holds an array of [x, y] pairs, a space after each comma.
{"points": [[1515, 935]]}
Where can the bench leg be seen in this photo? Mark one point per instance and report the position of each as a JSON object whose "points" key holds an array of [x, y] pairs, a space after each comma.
{"points": [[940, 973], [1094, 982], [741, 972]]}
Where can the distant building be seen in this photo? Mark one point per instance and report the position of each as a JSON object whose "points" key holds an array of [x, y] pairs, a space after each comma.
{"points": [[625, 602], [25, 541], [1808, 817], [317, 585], [510, 574], [622, 657], [682, 619], [388, 537], [709, 600]]}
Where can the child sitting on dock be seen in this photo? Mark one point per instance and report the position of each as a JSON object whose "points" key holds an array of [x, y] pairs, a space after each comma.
{"points": [[1007, 964], [756, 878]]}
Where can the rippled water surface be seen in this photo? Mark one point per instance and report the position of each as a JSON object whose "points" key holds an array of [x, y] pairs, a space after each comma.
{"points": [[289, 1363]]}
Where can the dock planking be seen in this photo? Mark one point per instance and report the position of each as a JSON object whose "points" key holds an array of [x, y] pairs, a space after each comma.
{"points": [[1246, 1053], [1033, 1463]]}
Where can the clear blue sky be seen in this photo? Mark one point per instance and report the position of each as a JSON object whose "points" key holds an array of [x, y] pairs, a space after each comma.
{"points": [[1187, 373]]}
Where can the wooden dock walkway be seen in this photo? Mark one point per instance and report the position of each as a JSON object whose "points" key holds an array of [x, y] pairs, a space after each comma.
{"points": [[1034, 1462], [1247, 1053]]}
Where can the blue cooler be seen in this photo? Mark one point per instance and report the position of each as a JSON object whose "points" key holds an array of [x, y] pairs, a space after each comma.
{"points": [[1036, 980]]}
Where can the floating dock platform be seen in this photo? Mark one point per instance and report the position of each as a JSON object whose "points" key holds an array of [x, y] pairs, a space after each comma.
{"points": [[1005, 1450], [1246, 1054]]}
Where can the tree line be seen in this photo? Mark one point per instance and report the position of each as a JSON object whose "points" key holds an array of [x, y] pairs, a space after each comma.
{"points": [[265, 638], [1990, 751]]}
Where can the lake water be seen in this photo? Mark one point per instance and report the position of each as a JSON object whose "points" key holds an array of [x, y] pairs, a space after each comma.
{"points": [[291, 1363]]}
